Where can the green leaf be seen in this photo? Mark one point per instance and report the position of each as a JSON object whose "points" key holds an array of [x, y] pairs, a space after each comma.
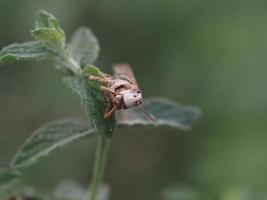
{"points": [[84, 47], [96, 105], [92, 100], [49, 32], [50, 42], [48, 138], [165, 112], [47, 20], [49, 35], [76, 85], [24, 51]]}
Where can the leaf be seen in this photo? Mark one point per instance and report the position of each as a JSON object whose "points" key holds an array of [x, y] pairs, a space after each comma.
{"points": [[76, 85], [52, 36], [48, 30], [96, 105], [47, 20], [165, 112], [92, 100], [48, 138], [84, 47], [50, 42], [24, 51]]}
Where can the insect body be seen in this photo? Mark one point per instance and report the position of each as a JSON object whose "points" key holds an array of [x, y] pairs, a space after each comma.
{"points": [[121, 90]]}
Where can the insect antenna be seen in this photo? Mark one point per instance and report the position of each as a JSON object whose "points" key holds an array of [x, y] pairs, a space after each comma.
{"points": [[152, 119]]}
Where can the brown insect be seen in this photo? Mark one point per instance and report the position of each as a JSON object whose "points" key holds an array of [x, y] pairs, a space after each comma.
{"points": [[121, 90]]}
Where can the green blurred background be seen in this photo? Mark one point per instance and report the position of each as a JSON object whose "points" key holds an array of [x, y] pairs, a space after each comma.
{"points": [[211, 54]]}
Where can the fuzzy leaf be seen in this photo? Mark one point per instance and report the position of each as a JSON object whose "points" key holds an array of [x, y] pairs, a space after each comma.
{"points": [[165, 112], [47, 20], [48, 138], [84, 47], [48, 31], [50, 41], [76, 85], [92, 100], [25, 51], [96, 105], [49, 35]]}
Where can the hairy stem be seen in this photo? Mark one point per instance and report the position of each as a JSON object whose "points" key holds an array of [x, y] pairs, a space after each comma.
{"points": [[99, 166]]}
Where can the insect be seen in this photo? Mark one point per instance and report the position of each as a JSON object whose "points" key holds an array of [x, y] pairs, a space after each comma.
{"points": [[121, 90]]}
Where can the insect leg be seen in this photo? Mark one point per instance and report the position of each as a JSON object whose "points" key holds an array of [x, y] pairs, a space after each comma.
{"points": [[98, 79], [107, 90], [110, 112], [107, 76], [110, 96]]}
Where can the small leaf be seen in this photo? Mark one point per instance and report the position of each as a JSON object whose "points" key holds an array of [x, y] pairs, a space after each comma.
{"points": [[49, 35], [165, 112], [92, 100], [84, 47], [25, 51], [47, 20], [48, 138], [51, 42], [96, 104]]}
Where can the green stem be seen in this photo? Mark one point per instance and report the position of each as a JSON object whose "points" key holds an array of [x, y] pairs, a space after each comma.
{"points": [[99, 166]]}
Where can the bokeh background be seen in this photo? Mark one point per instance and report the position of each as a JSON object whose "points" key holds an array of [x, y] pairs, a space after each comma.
{"points": [[211, 54]]}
